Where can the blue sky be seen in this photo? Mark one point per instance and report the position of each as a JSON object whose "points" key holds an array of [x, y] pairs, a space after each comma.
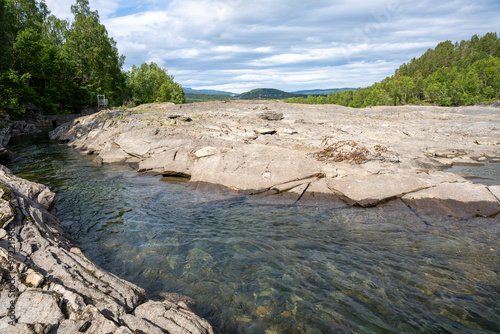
{"points": [[238, 45]]}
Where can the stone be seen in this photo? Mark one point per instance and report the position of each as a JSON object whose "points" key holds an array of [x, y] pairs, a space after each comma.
{"points": [[265, 131], [168, 317], [123, 330], [495, 190], [3, 234], [181, 165], [287, 131], [318, 193], [253, 169], [157, 161], [36, 306], [17, 329], [68, 326], [112, 153], [207, 151], [271, 115], [98, 323], [455, 200], [372, 190], [34, 279], [137, 323], [136, 143], [465, 162]]}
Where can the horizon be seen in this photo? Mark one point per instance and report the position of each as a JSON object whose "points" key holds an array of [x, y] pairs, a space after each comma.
{"points": [[289, 45]]}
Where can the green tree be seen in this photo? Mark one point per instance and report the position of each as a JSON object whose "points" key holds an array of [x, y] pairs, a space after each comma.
{"points": [[94, 55], [150, 83]]}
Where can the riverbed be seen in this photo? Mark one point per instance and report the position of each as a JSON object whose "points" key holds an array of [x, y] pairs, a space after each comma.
{"points": [[258, 268]]}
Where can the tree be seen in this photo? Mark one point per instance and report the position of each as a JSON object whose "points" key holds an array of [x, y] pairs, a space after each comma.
{"points": [[94, 54], [150, 83], [6, 24]]}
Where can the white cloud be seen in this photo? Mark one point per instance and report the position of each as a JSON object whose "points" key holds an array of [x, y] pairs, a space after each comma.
{"points": [[289, 44]]}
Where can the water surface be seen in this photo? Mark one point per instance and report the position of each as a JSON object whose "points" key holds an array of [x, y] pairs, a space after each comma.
{"points": [[255, 268]]}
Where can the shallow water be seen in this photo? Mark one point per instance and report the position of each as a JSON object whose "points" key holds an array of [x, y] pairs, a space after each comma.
{"points": [[488, 173], [255, 268]]}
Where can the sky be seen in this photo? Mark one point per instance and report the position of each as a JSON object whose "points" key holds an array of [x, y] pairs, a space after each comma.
{"points": [[236, 45]]}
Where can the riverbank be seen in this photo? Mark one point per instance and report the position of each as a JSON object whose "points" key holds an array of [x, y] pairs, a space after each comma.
{"points": [[307, 154], [49, 286]]}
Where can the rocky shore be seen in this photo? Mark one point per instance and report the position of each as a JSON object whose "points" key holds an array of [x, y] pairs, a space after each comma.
{"points": [[47, 285], [308, 153]]}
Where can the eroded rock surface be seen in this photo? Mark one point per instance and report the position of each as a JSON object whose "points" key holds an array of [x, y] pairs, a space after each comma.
{"points": [[383, 153], [49, 286]]}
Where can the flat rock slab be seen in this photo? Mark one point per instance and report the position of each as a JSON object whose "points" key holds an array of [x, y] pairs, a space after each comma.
{"points": [[372, 190], [495, 190], [253, 169], [456, 200]]}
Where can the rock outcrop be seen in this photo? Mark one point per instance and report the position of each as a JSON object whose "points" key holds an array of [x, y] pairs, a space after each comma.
{"points": [[373, 155], [49, 286]]}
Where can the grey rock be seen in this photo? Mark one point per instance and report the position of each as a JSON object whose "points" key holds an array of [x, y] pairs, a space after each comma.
{"points": [[169, 317], [3, 233], [37, 306], [34, 279], [137, 323], [456, 200], [253, 169], [271, 115], [265, 131], [495, 190], [16, 329], [375, 189]]}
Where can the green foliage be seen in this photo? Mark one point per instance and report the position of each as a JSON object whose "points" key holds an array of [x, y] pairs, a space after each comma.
{"points": [[150, 83], [267, 93], [62, 67], [450, 75], [13, 87], [94, 54], [191, 97]]}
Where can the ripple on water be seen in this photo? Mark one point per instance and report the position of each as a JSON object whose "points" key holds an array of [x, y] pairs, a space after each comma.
{"points": [[256, 268]]}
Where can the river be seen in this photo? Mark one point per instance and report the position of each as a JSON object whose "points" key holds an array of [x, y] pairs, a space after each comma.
{"points": [[259, 268]]}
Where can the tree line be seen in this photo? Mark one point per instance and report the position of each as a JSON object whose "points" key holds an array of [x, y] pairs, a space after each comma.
{"points": [[61, 66], [449, 75]]}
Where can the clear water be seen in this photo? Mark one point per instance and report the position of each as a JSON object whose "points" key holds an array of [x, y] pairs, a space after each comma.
{"points": [[488, 173], [255, 268]]}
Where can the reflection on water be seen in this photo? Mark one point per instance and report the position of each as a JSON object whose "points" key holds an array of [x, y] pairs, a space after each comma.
{"points": [[256, 268]]}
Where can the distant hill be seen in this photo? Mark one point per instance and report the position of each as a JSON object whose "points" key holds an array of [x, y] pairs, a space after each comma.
{"points": [[268, 93], [322, 91], [207, 92]]}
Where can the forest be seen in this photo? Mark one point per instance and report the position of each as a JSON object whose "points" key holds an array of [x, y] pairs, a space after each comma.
{"points": [[449, 75], [60, 66]]}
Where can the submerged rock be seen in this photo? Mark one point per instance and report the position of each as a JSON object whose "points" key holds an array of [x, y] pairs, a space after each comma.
{"points": [[56, 289]]}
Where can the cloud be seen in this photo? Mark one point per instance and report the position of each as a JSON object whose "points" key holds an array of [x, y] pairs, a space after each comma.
{"points": [[289, 44]]}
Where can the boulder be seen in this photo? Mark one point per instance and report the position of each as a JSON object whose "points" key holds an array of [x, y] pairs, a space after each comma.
{"points": [[372, 190], [34, 279], [271, 115], [454, 200], [37, 306]]}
